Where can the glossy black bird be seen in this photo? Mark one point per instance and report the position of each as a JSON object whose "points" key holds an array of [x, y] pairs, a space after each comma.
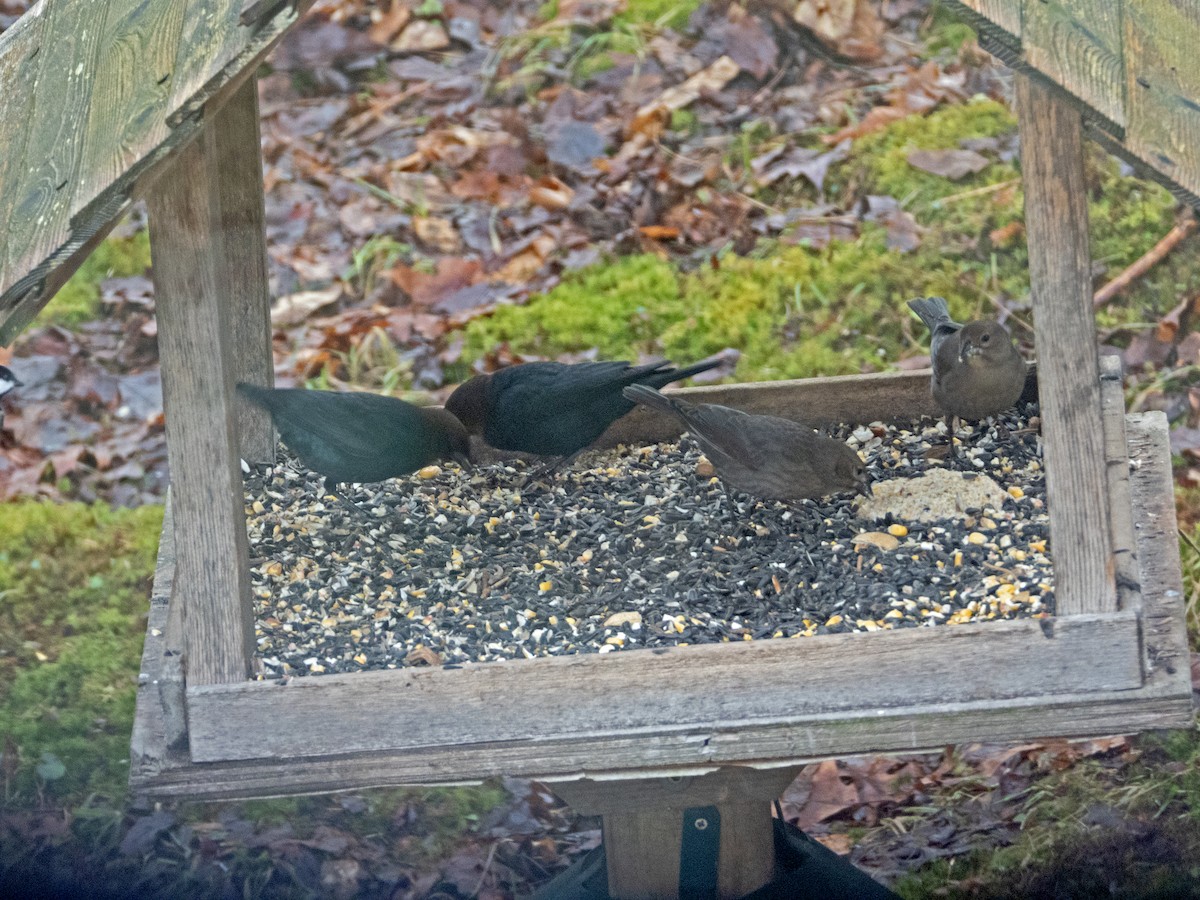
{"points": [[555, 409], [358, 437], [977, 372], [769, 457]]}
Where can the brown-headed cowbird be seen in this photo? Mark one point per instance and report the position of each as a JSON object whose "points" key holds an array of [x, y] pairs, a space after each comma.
{"points": [[977, 372], [769, 457], [357, 437], [555, 409]]}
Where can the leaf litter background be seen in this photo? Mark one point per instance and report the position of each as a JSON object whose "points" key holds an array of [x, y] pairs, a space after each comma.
{"points": [[423, 124]]}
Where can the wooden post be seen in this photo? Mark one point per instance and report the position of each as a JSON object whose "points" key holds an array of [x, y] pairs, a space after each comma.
{"points": [[644, 826], [195, 343], [1056, 223], [242, 275]]}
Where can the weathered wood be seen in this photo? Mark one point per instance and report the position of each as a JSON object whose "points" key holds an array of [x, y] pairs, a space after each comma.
{"points": [[1163, 701], [20, 57], [212, 36], [1163, 87], [42, 191], [887, 397], [24, 293], [656, 692], [1078, 44], [1005, 13], [1152, 487], [1068, 370], [643, 827], [126, 116], [160, 723], [193, 335], [1120, 504], [243, 273]]}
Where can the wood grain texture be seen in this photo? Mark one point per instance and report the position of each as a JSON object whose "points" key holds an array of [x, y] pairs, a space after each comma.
{"points": [[1056, 222], [888, 397], [160, 721], [212, 36], [1005, 13], [1078, 45], [643, 826], [23, 292], [1163, 701], [243, 273], [20, 58], [659, 691], [39, 217], [1163, 611], [1120, 503], [212, 582], [127, 113], [1163, 87]]}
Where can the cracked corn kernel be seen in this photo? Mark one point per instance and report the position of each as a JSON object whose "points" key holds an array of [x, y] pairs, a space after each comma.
{"points": [[545, 586], [976, 538], [833, 620], [897, 530]]}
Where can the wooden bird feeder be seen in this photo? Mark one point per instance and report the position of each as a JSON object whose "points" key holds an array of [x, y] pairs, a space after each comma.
{"points": [[109, 101]]}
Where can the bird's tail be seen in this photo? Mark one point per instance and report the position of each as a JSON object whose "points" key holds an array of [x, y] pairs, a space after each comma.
{"points": [[695, 369], [259, 396], [932, 310], [648, 396]]}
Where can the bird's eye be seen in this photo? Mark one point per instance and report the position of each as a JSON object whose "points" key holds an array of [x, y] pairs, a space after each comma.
{"points": [[984, 338]]}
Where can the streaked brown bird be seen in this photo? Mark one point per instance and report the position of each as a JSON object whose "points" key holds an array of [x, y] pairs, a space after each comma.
{"points": [[359, 437], [977, 372], [769, 457], [555, 409]]}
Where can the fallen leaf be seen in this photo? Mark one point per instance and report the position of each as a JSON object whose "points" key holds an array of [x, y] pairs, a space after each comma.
{"points": [[551, 193], [851, 27], [649, 119], [953, 163], [292, 309], [437, 234], [421, 36]]}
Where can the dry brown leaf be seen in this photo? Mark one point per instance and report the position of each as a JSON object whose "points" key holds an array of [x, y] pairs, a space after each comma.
{"points": [[710, 79], [421, 36], [437, 233], [659, 232], [851, 27], [385, 25], [950, 163], [292, 309], [426, 288], [423, 656], [528, 262], [551, 193]]}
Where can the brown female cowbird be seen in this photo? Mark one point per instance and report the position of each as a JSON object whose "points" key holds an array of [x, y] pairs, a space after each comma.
{"points": [[555, 409], [356, 437], [977, 372], [769, 457]]}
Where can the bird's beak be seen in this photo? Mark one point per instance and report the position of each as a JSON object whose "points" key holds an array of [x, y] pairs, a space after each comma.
{"points": [[17, 382], [463, 460], [864, 488]]}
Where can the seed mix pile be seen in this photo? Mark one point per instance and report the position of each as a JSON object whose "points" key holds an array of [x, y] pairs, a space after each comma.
{"points": [[632, 548]]}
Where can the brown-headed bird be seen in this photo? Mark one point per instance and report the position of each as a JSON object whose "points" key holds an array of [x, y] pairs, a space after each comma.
{"points": [[769, 457], [358, 437], [977, 372], [555, 409]]}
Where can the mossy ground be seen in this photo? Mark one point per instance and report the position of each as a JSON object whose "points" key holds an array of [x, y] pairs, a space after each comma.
{"points": [[79, 299]]}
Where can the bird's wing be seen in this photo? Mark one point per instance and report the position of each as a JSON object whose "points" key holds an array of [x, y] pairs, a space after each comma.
{"points": [[724, 431], [362, 426]]}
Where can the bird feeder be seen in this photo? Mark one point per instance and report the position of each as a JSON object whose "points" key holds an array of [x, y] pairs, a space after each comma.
{"points": [[106, 102]]}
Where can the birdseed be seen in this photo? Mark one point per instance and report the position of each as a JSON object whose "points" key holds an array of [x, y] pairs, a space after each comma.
{"points": [[631, 549]]}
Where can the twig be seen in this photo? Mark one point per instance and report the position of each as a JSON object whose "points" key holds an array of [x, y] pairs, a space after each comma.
{"points": [[975, 192], [1149, 260]]}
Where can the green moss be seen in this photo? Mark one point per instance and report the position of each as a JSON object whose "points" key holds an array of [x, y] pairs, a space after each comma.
{"points": [[79, 299], [616, 307], [945, 32], [74, 589], [667, 13]]}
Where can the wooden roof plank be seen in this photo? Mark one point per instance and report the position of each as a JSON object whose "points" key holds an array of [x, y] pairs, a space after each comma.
{"points": [[134, 80], [1078, 44], [20, 57], [212, 37], [40, 218], [1163, 85]]}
